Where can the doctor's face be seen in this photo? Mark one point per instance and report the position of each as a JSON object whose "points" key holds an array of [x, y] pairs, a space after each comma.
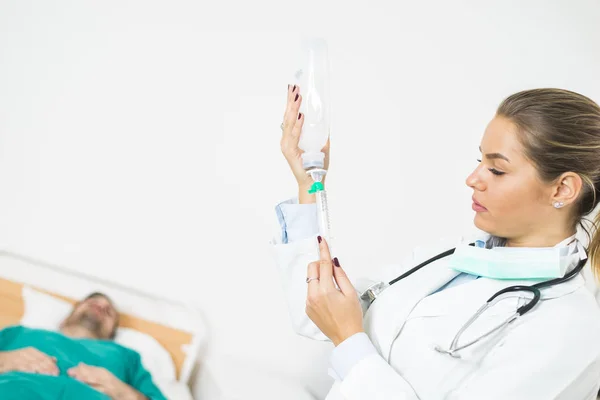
{"points": [[509, 198]]}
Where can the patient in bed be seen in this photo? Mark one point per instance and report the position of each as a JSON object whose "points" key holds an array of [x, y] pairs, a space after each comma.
{"points": [[79, 362]]}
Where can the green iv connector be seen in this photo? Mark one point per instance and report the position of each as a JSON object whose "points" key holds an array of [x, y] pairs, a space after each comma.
{"points": [[316, 187]]}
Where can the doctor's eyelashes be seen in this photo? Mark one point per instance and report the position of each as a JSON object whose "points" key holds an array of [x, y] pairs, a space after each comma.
{"points": [[493, 170]]}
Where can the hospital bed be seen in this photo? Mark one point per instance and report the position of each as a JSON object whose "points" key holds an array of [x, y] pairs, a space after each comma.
{"points": [[171, 337]]}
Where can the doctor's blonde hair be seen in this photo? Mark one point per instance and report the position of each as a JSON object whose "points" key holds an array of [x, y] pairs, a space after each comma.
{"points": [[560, 131]]}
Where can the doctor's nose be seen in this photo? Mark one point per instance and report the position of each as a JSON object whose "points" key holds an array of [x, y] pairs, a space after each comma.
{"points": [[474, 180]]}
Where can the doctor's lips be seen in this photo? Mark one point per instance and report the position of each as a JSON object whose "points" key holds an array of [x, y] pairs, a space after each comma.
{"points": [[477, 206]]}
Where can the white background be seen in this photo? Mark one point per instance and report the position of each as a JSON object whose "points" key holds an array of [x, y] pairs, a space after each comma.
{"points": [[139, 140]]}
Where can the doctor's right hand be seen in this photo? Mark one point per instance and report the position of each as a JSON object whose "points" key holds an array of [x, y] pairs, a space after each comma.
{"points": [[28, 359], [292, 128], [336, 312]]}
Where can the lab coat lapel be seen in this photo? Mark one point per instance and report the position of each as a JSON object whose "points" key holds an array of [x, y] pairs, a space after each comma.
{"points": [[386, 316]]}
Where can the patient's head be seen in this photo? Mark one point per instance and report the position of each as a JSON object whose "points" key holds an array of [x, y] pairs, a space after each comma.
{"points": [[94, 317]]}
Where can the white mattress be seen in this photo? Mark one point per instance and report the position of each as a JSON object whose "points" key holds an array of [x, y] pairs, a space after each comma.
{"points": [[229, 377], [175, 390]]}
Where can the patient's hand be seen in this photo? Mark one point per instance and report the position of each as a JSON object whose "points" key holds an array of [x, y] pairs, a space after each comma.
{"points": [[104, 381], [28, 359]]}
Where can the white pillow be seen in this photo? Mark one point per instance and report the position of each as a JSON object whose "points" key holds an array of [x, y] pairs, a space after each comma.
{"points": [[43, 311], [155, 358], [251, 381]]}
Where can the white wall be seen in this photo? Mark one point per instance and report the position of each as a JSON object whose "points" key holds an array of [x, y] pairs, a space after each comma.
{"points": [[139, 140]]}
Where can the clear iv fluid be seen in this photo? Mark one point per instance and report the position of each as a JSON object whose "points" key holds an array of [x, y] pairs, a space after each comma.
{"points": [[313, 79]]}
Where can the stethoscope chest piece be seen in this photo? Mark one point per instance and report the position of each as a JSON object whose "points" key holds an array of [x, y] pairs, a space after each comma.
{"points": [[451, 353], [373, 291]]}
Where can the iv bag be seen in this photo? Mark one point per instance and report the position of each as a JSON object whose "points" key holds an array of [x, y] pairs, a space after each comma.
{"points": [[313, 79]]}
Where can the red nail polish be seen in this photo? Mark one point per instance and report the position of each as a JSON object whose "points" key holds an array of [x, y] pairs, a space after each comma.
{"points": [[336, 262], [294, 88], [297, 97], [299, 115], [319, 238]]}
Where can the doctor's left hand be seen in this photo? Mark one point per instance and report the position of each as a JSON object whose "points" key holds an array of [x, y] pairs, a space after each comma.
{"points": [[336, 312]]}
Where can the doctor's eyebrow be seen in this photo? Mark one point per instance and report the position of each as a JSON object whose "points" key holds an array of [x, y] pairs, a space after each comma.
{"points": [[492, 156]]}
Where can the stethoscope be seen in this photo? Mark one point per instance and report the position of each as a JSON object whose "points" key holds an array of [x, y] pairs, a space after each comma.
{"points": [[373, 292]]}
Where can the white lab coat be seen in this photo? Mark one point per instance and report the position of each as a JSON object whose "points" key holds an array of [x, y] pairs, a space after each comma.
{"points": [[553, 352]]}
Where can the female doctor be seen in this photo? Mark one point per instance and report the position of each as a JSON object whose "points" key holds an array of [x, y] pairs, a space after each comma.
{"points": [[538, 176]]}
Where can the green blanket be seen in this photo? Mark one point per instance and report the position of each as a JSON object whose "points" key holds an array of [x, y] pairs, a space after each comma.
{"points": [[122, 362]]}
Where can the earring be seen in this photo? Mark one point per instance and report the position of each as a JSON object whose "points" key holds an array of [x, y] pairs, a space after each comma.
{"points": [[558, 204]]}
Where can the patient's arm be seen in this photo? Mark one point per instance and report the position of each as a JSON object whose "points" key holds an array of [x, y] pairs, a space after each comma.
{"points": [[136, 384], [104, 381]]}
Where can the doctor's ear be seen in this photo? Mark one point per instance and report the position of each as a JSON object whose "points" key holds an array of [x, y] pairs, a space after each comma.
{"points": [[566, 190]]}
